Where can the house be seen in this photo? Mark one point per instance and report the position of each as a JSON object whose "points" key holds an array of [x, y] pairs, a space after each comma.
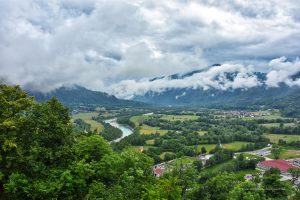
{"points": [[282, 165], [158, 170]]}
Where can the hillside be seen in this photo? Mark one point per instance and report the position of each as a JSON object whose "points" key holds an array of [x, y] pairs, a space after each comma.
{"points": [[283, 97], [80, 95]]}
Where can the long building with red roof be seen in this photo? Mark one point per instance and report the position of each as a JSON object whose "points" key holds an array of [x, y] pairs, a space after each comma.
{"points": [[282, 165]]}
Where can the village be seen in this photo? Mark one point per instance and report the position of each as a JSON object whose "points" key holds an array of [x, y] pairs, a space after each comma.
{"points": [[284, 166]]}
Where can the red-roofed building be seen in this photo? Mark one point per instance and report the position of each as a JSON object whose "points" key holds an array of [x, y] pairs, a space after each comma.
{"points": [[282, 165], [158, 170]]}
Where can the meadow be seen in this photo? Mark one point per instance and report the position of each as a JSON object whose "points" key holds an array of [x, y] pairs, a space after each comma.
{"points": [[87, 117], [274, 138]]}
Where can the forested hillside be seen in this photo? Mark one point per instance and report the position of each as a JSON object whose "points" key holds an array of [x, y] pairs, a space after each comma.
{"points": [[79, 95]]}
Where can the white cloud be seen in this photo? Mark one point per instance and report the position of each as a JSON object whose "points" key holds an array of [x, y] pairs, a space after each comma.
{"points": [[282, 72], [99, 43], [215, 77]]}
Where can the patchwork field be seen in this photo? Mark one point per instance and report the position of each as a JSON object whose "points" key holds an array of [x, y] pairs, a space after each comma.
{"points": [[289, 138], [87, 117]]}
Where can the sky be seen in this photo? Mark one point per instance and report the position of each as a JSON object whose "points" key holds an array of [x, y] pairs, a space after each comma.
{"points": [[115, 46]]}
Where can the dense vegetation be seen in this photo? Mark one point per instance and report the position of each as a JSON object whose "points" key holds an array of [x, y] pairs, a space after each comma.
{"points": [[44, 156], [110, 133]]}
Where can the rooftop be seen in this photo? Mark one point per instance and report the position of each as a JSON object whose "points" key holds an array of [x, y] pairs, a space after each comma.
{"points": [[282, 165]]}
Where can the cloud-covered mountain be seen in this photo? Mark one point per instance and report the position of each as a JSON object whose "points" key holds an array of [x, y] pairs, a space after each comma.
{"points": [[221, 78]]}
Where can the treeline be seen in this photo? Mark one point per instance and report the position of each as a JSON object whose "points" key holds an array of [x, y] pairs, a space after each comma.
{"points": [[216, 129], [81, 126], [110, 133], [289, 130], [126, 121]]}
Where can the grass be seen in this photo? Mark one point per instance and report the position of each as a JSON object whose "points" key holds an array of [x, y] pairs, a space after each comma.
{"points": [[87, 117], [208, 147], [145, 129], [251, 156], [150, 142], [137, 119], [288, 154], [179, 117], [234, 146], [241, 174], [275, 137], [182, 161]]}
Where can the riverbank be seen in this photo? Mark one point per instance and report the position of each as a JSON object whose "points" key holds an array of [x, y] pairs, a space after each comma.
{"points": [[126, 130]]}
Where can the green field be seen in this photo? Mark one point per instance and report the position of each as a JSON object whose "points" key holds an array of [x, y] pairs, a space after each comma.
{"points": [[145, 129], [234, 146], [182, 161], [289, 138], [288, 154], [150, 142], [269, 125], [179, 117], [87, 117]]}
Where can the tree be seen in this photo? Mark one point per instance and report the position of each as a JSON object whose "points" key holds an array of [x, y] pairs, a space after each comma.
{"points": [[276, 152], [166, 188], [247, 191], [217, 188], [203, 150], [295, 172], [198, 165], [274, 188]]}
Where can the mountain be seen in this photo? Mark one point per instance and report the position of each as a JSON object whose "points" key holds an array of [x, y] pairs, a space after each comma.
{"points": [[283, 97], [80, 95]]}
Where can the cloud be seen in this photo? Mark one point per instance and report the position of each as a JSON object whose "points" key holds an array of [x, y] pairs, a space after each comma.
{"points": [[104, 43], [217, 77], [282, 72]]}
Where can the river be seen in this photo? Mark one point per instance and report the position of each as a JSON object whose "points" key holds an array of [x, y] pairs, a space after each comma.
{"points": [[126, 130]]}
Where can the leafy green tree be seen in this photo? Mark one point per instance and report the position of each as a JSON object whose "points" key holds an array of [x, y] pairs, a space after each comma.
{"points": [[217, 188], [198, 165], [165, 189], [247, 191], [92, 148], [295, 172], [274, 188], [203, 150], [276, 151]]}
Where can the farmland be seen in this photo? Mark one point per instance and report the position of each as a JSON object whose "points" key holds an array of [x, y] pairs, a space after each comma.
{"points": [[87, 117], [274, 138]]}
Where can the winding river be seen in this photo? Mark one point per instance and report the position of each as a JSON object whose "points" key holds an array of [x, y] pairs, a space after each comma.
{"points": [[126, 130]]}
